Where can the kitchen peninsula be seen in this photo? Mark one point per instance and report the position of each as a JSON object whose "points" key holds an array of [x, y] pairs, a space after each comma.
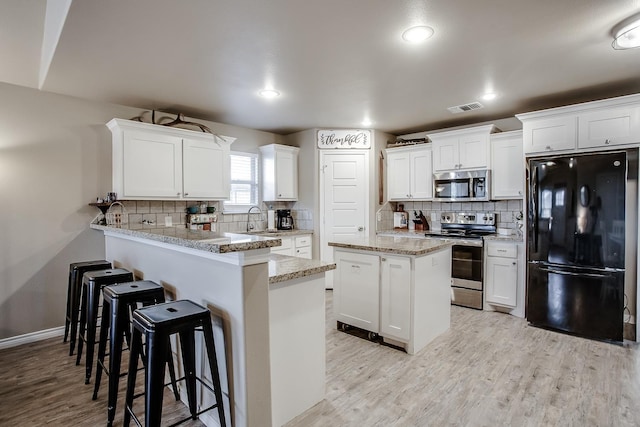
{"points": [[395, 287], [268, 312]]}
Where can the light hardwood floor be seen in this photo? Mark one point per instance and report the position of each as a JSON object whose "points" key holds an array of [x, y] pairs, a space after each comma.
{"points": [[489, 369]]}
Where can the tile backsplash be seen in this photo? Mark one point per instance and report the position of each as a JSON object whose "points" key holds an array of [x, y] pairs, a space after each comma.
{"points": [[149, 214], [506, 211]]}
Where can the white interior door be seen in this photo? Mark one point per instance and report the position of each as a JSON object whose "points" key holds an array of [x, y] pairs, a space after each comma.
{"points": [[344, 202]]}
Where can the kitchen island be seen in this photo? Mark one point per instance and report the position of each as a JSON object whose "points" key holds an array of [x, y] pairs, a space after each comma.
{"points": [[395, 287], [268, 313]]}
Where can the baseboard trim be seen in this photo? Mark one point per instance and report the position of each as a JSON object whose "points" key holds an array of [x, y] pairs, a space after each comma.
{"points": [[31, 337]]}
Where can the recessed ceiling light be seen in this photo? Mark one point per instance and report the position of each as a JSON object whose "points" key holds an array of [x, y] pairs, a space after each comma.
{"points": [[269, 93], [417, 34], [489, 96]]}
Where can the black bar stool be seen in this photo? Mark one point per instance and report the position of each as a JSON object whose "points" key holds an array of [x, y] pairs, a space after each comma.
{"points": [[119, 301], [76, 271], [158, 323], [92, 284]]}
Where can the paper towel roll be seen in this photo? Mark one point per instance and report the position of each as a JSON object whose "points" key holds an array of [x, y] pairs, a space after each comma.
{"points": [[271, 220]]}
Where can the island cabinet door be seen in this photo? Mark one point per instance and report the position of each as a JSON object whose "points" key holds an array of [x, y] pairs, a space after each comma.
{"points": [[356, 292], [395, 297]]}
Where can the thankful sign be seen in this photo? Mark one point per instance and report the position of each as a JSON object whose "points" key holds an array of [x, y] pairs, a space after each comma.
{"points": [[354, 138]]}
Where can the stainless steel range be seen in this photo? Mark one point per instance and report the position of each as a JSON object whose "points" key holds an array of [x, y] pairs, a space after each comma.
{"points": [[466, 231]]}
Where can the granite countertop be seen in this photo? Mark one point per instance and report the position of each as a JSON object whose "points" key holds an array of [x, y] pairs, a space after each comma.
{"points": [[278, 233], [219, 243], [504, 238], [402, 232], [394, 245], [283, 267], [416, 234]]}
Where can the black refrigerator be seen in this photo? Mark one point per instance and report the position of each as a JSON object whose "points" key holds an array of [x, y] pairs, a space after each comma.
{"points": [[576, 244]]}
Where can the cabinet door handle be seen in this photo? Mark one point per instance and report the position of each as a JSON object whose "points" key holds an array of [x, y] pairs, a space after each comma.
{"points": [[607, 141], [514, 263], [548, 148], [383, 259], [361, 228], [178, 194], [279, 195], [355, 266], [408, 196], [186, 194]]}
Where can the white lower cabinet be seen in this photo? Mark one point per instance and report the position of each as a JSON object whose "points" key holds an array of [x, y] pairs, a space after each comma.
{"points": [[404, 299], [395, 297], [286, 248], [303, 246], [356, 295], [298, 246], [502, 276]]}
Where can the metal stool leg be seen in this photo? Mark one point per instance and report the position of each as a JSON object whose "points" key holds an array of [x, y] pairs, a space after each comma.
{"points": [[67, 321], [92, 324], [83, 323], [102, 346], [135, 348], [188, 347], [213, 366], [154, 377]]}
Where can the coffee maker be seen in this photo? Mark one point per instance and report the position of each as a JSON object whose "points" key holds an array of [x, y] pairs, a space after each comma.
{"points": [[284, 220]]}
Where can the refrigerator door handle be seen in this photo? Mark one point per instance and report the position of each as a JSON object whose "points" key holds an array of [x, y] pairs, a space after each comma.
{"points": [[534, 208], [570, 273]]}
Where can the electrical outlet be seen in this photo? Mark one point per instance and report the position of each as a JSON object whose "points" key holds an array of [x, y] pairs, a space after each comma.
{"points": [[379, 216]]}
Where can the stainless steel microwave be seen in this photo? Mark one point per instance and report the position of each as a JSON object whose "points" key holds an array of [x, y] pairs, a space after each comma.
{"points": [[462, 186]]}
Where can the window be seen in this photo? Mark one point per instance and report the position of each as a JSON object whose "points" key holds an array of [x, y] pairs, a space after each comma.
{"points": [[244, 182]]}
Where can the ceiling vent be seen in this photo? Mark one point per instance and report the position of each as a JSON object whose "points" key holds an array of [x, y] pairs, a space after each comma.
{"points": [[475, 105]]}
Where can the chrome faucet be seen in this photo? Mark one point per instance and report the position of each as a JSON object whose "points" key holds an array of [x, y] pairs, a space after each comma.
{"points": [[251, 227]]}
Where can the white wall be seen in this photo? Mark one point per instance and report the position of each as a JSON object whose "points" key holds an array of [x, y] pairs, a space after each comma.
{"points": [[55, 158]]}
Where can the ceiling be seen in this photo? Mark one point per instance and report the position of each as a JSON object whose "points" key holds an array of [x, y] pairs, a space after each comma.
{"points": [[335, 62]]}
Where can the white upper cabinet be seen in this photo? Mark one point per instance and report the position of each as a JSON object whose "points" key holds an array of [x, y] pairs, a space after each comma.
{"points": [[549, 134], [612, 126], [279, 172], [591, 125], [206, 169], [461, 149], [151, 166], [409, 173], [507, 166], [153, 162]]}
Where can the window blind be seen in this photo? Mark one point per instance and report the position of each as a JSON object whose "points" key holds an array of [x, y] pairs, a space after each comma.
{"points": [[244, 179]]}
